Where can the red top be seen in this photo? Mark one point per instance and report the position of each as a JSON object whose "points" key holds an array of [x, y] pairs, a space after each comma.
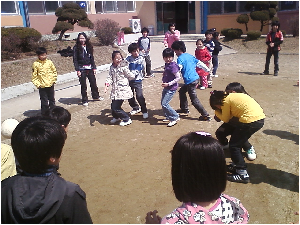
{"points": [[204, 56]]}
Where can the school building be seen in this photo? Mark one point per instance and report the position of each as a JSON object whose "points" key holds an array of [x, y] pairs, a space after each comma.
{"points": [[191, 17]]}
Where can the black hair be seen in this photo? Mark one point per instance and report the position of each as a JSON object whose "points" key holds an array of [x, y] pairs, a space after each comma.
{"points": [[171, 25], [168, 52], [87, 43], [145, 29], [35, 140], [199, 40], [216, 34], [41, 50], [198, 168], [275, 23], [132, 47], [113, 55], [60, 114], [179, 45], [209, 32], [237, 87], [217, 98]]}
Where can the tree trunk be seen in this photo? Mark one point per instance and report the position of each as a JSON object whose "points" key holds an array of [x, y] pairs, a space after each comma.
{"points": [[261, 26], [61, 35], [246, 27]]}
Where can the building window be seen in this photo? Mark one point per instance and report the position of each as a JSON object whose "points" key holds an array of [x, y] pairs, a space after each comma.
{"points": [[109, 6], [35, 7], [51, 6], [288, 5], [99, 7], [130, 6], [121, 6], [241, 6], [229, 7], [215, 7], [9, 7], [114, 6]]}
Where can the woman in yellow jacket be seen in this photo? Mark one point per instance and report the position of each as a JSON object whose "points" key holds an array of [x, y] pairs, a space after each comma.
{"points": [[250, 119]]}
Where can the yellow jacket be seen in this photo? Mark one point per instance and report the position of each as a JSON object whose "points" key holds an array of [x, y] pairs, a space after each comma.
{"points": [[8, 165], [43, 73], [241, 106]]}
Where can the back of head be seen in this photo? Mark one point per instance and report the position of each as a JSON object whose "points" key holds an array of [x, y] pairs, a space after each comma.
{"points": [[133, 47], [179, 45], [198, 168], [35, 140], [60, 114], [217, 98], [8, 126], [41, 50], [216, 34], [168, 52], [235, 87]]}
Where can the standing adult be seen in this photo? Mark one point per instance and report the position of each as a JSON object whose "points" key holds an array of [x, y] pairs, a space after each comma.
{"points": [[84, 64], [171, 35], [273, 40]]}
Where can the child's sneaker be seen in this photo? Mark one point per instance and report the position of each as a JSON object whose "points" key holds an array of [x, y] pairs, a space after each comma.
{"points": [[166, 120], [145, 115], [133, 112], [172, 123], [202, 88], [85, 104], [123, 123], [216, 75], [209, 86], [265, 73], [183, 111], [241, 176], [251, 155], [205, 118], [114, 120]]}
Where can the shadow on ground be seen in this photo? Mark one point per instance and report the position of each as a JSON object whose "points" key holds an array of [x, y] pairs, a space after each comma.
{"points": [[31, 113], [283, 135], [70, 101]]}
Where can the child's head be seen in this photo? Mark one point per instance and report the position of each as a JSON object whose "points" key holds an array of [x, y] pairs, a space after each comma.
{"points": [[208, 34], [41, 53], [37, 142], [133, 49], [198, 168], [82, 39], [235, 87], [178, 47], [216, 99], [145, 31], [216, 35], [171, 26], [199, 43], [275, 26], [168, 55], [116, 57], [60, 114]]}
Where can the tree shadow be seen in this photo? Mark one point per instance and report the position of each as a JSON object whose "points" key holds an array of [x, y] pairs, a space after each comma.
{"points": [[283, 135], [31, 113], [251, 73], [70, 101]]}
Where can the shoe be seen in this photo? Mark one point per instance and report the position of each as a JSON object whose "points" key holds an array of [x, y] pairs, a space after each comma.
{"points": [[172, 123], [202, 88], [275, 73], [225, 146], [205, 118], [145, 115], [85, 104], [183, 111], [265, 73], [209, 86], [114, 120], [238, 178], [231, 168], [133, 112], [100, 98], [166, 120], [251, 155], [216, 75], [123, 123]]}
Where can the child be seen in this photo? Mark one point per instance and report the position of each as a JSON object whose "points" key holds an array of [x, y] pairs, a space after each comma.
{"points": [[215, 53], [170, 79], [171, 35], [61, 115], [188, 64], [118, 77], [273, 40], [204, 56], [39, 194], [136, 67], [210, 46], [44, 77], [250, 119], [198, 179], [144, 47]]}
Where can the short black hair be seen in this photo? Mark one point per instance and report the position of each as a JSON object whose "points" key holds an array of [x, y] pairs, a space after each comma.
{"points": [[237, 87], [60, 114], [179, 45], [168, 52], [216, 34], [132, 47], [113, 55], [198, 168], [41, 50], [171, 25], [35, 140], [199, 40], [208, 32], [275, 23], [145, 29], [217, 98]]}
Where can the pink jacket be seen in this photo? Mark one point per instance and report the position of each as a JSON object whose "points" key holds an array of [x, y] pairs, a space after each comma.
{"points": [[170, 38]]}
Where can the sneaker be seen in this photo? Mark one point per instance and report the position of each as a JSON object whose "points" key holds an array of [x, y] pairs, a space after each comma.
{"points": [[145, 115], [231, 168], [205, 118], [202, 88], [166, 120], [114, 120], [209, 86], [251, 154], [172, 123], [183, 111], [265, 73], [275, 73], [216, 75], [123, 123], [238, 178], [85, 104], [100, 98], [133, 112]]}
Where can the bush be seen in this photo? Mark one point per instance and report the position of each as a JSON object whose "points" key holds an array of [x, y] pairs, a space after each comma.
{"points": [[253, 34], [127, 30], [232, 32], [106, 31]]}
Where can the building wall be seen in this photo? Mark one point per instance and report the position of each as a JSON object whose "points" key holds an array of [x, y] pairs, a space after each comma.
{"points": [[11, 21], [146, 12], [285, 19]]}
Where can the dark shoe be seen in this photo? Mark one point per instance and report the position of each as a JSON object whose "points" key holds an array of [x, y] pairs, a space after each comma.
{"points": [[276, 73], [205, 118], [238, 178], [209, 86], [183, 111], [265, 73], [231, 168]]}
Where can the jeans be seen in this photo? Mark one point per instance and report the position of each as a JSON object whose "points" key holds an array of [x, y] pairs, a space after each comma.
{"points": [[276, 61], [137, 87], [166, 97], [191, 89], [148, 64], [93, 84], [239, 137], [215, 62], [117, 111], [47, 98]]}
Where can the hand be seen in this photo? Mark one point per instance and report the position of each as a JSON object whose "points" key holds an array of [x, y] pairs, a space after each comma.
{"points": [[173, 31], [152, 218], [95, 72], [164, 84], [78, 73], [271, 45]]}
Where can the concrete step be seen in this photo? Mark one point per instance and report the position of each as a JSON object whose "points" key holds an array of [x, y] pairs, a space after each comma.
{"points": [[183, 37]]}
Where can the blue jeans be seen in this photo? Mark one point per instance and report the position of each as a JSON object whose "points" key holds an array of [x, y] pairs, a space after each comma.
{"points": [[137, 87], [191, 89], [215, 62], [166, 97], [117, 111]]}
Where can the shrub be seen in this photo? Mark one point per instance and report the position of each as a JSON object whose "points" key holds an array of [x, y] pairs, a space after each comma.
{"points": [[106, 31], [10, 46], [232, 32], [243, 19], [127, 30], [253, 34], [224, 32]]}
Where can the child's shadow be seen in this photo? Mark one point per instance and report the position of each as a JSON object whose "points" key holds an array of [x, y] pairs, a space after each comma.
{"points": [[250, 73], [102, 118], [70, 101], [31, 113], [283, 135]]}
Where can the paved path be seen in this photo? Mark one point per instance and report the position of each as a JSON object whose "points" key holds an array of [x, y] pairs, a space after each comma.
{"points": [[14, 107]]}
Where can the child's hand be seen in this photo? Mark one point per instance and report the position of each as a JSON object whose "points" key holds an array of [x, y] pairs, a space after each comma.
{"points": [[164, 84], [78, 73], [152, 217]]}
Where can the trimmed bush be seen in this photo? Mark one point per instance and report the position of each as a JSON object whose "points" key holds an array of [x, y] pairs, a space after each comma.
{"points": [[232, 33], [127, 30], [253, 34], [106, 31]]}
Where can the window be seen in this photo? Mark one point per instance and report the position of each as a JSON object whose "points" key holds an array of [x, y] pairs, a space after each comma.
{"points": [[109, 6], [99, 7], [121, 6], [114, 6], [215, 7], [242, 6], [35, 7], [229, 7], [9, 7], [284, 5], [130, 6], [51, 6]]}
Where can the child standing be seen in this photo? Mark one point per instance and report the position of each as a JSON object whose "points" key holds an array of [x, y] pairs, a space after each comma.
{"points": [[210, 47], [144, 47], [170, 79], [44, 77], [250, 119], [199, 180], [136, 63], [118, 78], [171, 35], [204, 56], [215, 53], [188, 64]]}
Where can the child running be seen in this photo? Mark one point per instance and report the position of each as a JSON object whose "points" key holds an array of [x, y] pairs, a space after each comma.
{"points": [[250, 119], [170, 79], [188, 64], [199, 180], [204, 56], [118, 78]]}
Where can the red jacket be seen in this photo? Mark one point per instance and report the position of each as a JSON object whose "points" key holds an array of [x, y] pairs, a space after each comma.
{"points": [[278, 39], [204, 56]]}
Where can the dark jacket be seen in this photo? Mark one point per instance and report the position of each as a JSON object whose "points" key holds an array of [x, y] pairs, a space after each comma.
{"points": [[80, 58], [276, 38], [217, 48], [50, 199]]}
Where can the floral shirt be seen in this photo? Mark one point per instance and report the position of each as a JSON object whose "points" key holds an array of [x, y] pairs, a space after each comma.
{"points": [[227, 210]]}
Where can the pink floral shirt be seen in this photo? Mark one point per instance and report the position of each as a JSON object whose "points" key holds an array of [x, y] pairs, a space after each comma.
{"points": [[227, 210], [170, 38]]}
